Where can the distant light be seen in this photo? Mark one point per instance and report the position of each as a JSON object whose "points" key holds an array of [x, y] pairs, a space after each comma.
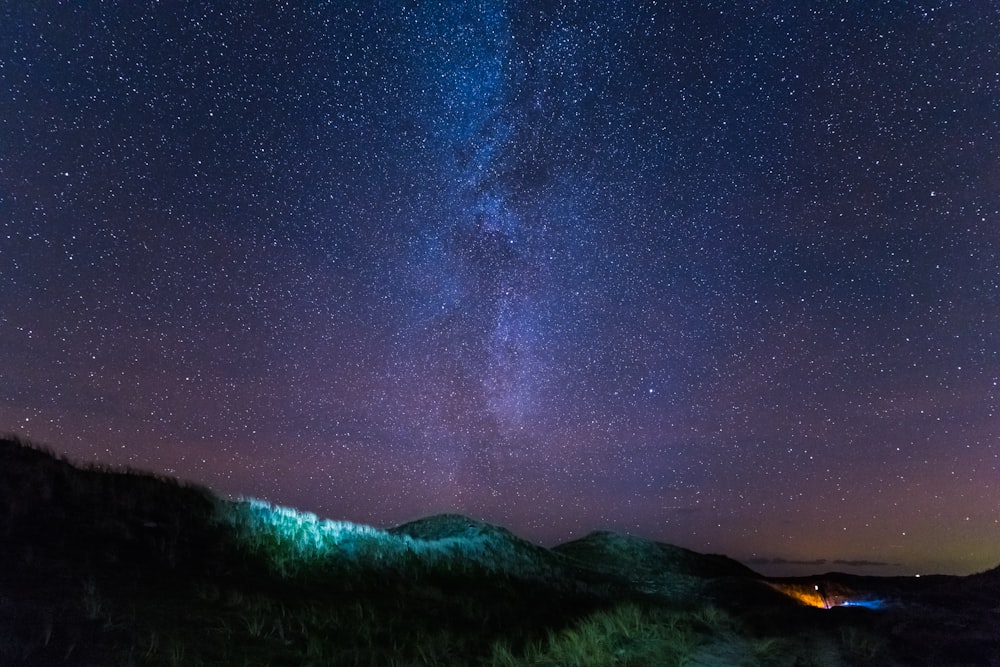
{"points": [[868, 604], [802, 594]]}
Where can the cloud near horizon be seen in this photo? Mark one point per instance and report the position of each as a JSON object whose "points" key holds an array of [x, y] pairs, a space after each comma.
{"points": [[784, 561], [865, 563], [819, 561]]}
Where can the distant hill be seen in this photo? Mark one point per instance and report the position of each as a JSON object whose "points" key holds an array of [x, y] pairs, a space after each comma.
{"points": [[625, 554], [665, 570], [451, 526], [495, 546], [992, 575]]}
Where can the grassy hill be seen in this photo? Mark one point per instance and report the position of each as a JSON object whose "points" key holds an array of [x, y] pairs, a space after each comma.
{"points": [[111, 567]]}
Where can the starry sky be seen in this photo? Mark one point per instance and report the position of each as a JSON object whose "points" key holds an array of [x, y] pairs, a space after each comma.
{"points": [[720, 274]]}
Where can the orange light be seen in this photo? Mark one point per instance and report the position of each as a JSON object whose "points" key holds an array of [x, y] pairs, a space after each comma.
{"points": [[804, 593]]}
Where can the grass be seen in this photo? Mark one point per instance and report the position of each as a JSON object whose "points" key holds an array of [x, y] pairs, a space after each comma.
{"points": [[103, 567], [631, 635]]}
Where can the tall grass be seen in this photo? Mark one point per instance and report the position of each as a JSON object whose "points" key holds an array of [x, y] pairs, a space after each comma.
{"points": [[624, 635]]}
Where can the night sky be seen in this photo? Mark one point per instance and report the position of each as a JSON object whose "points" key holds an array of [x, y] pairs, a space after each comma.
{"points": [[725, 275]]}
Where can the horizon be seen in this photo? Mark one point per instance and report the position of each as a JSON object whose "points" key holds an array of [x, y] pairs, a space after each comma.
{"points": [[772, 566], [723, 275]]}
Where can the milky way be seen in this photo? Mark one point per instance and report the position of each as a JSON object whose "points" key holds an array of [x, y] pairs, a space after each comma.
{"points": [[723, 275]]}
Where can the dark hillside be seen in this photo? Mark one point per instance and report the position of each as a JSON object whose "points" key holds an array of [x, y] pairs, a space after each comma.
{"points": [[121, 519], [75, 537]]}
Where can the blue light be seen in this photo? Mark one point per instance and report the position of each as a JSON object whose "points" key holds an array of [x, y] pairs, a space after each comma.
{"points": [[868, 604]]}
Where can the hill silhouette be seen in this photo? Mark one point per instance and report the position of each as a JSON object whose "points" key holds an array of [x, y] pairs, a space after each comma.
{"points": [[613, 551], [120, 567]]}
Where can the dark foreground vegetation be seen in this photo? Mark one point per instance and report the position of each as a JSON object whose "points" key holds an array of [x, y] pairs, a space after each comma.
{"points": [[101, 567]]}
